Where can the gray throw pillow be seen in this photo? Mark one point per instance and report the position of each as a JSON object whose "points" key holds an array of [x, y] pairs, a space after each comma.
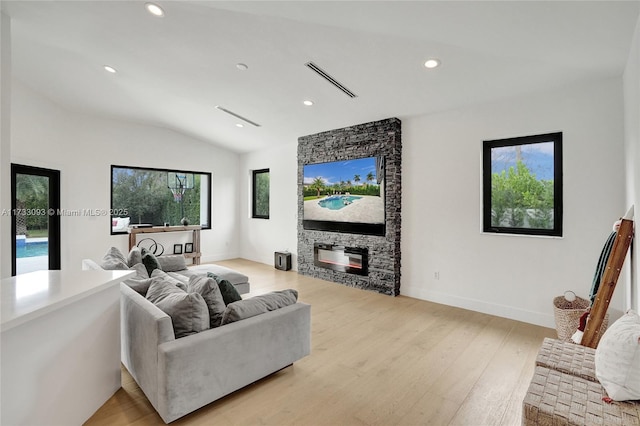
{"points": [[172, 263], [208, 288], [166, 277], [135, 256], [114, 260], [188, 311], [257, 305], [229, 292], [150, 262], [141, 281]]}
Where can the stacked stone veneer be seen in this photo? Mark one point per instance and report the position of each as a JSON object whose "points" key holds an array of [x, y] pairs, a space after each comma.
{"points": [[380, 138]]}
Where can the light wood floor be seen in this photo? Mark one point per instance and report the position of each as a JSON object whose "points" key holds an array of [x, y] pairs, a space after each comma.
{"points": [[375, 360]]}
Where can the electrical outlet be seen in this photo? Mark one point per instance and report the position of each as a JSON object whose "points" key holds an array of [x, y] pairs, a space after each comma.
{"points": [[436, 275]]}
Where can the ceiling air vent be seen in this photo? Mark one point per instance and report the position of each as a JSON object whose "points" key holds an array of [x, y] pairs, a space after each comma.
{"points": [[253, 123], [322, 73]]}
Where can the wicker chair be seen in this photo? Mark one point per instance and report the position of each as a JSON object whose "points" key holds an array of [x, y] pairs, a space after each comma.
{"points": [[565, 391]]}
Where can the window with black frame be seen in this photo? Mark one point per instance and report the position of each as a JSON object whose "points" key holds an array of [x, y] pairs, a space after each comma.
{"points": [[260, 194], [156, 197], [522, 185]]}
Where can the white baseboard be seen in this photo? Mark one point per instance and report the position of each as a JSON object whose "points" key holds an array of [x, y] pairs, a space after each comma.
{"points": [[504, 311]]}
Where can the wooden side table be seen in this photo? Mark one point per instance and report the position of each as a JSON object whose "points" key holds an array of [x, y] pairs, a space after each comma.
{"points": [[133, 232]]}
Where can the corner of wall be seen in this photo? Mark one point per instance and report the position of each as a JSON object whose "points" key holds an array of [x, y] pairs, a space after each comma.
{"points": [[631, 89], [5, 146]]}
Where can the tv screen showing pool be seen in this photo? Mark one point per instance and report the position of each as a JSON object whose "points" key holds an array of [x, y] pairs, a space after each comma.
{"points": [[349, 191]]}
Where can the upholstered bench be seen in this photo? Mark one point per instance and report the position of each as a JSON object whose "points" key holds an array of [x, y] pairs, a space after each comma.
{"points": [[564, 390]]}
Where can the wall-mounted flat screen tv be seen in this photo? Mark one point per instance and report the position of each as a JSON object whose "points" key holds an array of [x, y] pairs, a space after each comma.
{"points": [[345, 196]]}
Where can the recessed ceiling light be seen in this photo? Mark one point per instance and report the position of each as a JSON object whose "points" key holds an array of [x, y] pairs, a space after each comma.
{"points": [[154, 9], [308, 102], [239, 125], [242, 67], [112, 70], [432, 63]]}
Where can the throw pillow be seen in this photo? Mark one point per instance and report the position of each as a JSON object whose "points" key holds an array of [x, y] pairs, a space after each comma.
{"points": [[135, 256], [141, 281], [257, 305], [229, 292], [114, 260], [188, 311], [159, 273], [618, 358], [150, 262], [172, 263], [208, 289]]}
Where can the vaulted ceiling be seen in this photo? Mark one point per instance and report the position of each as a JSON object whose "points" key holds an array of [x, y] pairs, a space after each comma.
{"points": [[173, 71]]}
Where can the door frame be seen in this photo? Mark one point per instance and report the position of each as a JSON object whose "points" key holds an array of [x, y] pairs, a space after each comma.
{"points": [[54, 219]]}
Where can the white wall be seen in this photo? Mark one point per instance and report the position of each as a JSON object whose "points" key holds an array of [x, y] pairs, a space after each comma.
{"points": [[632, 153], [83, 148], [5, 145], [260, 238], [510, 276]]}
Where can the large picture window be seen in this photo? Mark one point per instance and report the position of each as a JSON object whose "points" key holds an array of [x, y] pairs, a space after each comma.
{"points": [[159, 197], [260, 191], [522, 185]]}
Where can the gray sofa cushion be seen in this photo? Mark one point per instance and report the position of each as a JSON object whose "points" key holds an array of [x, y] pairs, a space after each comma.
{"points": [[135, 256], [234, 277], [150, 262], [257, 305], [229, 292], [159, 273], [188, 311], [114, 260], [172, 263], [141, 281], [208, 288]]}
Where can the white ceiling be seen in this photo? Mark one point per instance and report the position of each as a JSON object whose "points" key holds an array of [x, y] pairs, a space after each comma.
{"points": [[174, 70]]}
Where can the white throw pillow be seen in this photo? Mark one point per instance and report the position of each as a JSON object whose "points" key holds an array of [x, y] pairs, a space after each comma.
{"points": [[618, 358]]}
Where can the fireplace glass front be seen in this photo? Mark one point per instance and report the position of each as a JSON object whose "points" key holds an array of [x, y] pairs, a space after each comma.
{"points": [[351, 260]]}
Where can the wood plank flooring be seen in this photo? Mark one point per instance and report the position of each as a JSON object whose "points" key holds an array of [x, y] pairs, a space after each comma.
{"points": [[375, 360]]}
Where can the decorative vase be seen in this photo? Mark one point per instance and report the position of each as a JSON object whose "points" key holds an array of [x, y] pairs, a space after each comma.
{"points": [[184, 221]]}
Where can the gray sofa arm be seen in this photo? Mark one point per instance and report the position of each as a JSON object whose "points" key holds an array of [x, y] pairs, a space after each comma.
{"points": [[201, 368], [142, 328]]}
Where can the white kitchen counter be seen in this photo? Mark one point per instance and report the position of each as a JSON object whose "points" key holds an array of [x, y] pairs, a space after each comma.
{"points": [[60, 345]]}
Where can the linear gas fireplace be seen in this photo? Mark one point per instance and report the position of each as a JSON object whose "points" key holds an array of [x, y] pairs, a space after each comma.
{"points": [[352, 260]]}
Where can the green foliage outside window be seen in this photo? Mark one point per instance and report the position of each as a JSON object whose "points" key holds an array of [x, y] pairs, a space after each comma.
{"points": [[519, 199], [522, 185], [32, 193], [318, 188], [145, 197]]}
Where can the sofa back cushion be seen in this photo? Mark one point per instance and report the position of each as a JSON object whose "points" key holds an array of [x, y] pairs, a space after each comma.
{"points": [[150, 261], [114, 260], [135, 256], [141, 281], [228, 291], [172, 263], [208, 289], [257, 305], [168, 278], [618, 358], [188, 311]]}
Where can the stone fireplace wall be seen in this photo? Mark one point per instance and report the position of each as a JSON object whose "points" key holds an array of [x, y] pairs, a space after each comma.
{"points": [[379, 138]]}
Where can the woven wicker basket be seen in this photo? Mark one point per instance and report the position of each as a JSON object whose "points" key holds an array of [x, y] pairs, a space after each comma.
{"points": [[567, 315]]}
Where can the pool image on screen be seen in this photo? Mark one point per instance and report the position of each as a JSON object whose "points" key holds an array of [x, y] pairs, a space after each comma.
{"points": [[349, 191]]}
